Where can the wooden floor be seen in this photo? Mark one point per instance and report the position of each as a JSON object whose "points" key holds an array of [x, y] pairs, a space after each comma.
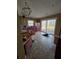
{"points": [[42, 47]]}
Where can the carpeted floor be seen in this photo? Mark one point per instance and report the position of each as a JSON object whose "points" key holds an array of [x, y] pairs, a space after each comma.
{"points": [[42, 47]]}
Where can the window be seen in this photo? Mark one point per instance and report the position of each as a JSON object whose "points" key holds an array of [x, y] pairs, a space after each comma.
{"points": [[43, 25], [48, 26], [51, 26], [30, 22]]}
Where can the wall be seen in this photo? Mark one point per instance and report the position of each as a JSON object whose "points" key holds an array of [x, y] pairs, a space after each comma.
{"points": [[20, 48], [57, 28], [38, 21]]}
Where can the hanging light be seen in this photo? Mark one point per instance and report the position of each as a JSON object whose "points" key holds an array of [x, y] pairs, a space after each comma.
{"points": [[26, 10]]}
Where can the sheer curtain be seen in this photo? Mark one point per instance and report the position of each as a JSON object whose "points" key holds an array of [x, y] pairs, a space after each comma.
{"points": [[48, 26]]}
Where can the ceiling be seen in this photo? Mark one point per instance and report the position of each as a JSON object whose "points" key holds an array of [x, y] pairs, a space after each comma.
{"points": [[41, 8]]}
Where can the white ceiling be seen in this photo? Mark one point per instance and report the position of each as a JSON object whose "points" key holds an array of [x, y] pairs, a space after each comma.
{"points": [[41, 8]]}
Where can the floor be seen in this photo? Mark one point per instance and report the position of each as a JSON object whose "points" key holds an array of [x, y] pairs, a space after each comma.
{"points": [[42, 47]]}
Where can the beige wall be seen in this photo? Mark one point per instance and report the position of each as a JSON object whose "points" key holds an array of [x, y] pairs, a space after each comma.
{"points": [[23, 20], [58, 27], [20, 48]]}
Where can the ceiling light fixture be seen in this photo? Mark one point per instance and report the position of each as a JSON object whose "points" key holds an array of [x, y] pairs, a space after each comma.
{"points": [[26, 10]]}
